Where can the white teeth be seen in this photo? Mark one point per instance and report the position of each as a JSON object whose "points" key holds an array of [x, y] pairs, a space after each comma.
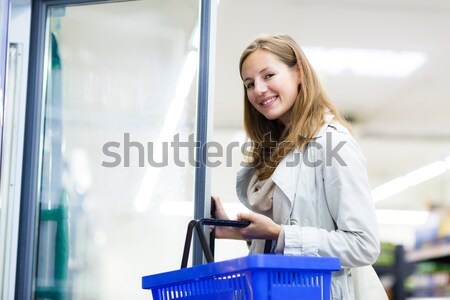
{"points": [[268, 101]]}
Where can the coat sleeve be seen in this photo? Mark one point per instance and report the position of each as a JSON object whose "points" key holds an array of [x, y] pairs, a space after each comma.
{"points": [[349, 200]]}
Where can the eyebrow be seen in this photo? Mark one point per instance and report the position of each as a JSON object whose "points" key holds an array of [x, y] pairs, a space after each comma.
{"points": [[264, 69]]}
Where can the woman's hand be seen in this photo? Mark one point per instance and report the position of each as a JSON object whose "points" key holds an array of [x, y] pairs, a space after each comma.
{"points": [[261, 227], [223, 232]]}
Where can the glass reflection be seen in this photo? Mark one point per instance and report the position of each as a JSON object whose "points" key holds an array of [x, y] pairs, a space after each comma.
{"points": [[119, 78]]}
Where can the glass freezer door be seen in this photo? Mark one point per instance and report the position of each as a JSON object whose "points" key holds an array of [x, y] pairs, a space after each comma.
{"points": [[119, 88]]}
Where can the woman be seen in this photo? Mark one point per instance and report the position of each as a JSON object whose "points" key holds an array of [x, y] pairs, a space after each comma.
{"points": [[306, 181]]}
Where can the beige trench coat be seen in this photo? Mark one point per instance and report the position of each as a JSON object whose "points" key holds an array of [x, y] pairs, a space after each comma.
{"points": [[324, 203]]}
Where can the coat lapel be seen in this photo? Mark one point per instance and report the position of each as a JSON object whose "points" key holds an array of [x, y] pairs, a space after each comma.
{"points": [[286, 178], [242, 180]]}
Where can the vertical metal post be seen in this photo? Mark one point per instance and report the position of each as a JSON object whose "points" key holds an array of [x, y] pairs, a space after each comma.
{"points": [[27, 239], [202, 203]]}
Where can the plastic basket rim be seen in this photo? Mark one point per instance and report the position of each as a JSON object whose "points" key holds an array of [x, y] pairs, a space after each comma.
{"points": [[243, 264]]}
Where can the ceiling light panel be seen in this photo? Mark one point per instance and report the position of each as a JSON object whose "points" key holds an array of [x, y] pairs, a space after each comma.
{"points": [[365, 62]]}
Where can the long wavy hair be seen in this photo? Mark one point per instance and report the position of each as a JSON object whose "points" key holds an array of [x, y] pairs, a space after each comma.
{"points": [[271, 139]]}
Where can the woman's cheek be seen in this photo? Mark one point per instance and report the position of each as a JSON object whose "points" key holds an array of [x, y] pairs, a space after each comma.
{"points": [[251, 99]]}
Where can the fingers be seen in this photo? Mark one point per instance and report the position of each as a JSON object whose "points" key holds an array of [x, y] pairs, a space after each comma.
{"points": [[227, 233], [220, 211], [246, 215], [217, 201], [261, 227]]}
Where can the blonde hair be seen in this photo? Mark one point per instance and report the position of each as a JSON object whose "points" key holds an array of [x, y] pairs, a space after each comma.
{"points": [[271, 140]]}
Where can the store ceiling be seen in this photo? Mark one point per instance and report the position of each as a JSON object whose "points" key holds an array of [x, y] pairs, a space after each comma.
{"points": [[401, 123]]}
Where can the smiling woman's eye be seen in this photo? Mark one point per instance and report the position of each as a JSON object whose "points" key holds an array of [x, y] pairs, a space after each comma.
{"points": [[270, 75], [249, 85]]}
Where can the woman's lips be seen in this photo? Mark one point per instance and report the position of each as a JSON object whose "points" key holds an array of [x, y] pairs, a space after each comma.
{"points": [[268, 101]]}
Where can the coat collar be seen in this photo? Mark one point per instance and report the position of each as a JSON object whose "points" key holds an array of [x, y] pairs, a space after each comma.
{"points": [[286, 175], [327, 121]]}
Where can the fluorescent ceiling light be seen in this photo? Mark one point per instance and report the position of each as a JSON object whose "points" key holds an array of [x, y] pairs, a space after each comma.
{"points": [[447, 162], [390, 188], [401, 217], [365, 62], [412, 178], [427, 172]]}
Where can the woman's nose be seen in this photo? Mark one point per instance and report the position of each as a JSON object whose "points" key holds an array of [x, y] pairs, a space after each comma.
{"points": [[260, 87]]}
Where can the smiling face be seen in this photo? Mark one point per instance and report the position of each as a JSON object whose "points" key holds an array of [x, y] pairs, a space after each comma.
{"points": [[271, 85]]}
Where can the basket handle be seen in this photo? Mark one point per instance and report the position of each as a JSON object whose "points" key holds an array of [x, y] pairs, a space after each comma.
{"points": [[197, 224], [187, 244], [209, 251]]}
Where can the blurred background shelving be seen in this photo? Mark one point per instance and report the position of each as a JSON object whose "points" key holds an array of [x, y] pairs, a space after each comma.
{"points": [[421, 273]]}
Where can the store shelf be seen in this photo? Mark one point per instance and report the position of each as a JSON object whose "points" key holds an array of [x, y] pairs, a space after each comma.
{"points": [[384, 270], [395, 266], [437, 255], [439, 252]]}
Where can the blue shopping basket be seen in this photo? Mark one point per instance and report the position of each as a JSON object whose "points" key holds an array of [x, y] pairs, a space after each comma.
{"points": [[254, 277]]}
